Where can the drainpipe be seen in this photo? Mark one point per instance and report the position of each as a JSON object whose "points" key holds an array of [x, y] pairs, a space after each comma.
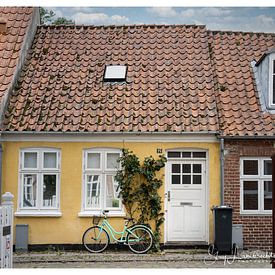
{"points": [[273, 212], [1, 154], [222, 169]]}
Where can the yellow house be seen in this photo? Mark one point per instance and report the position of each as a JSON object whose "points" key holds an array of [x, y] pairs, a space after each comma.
{"points": [[85, 93]]}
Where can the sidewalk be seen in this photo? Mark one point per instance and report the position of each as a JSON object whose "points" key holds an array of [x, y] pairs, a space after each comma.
{"points": [[167, 259]]}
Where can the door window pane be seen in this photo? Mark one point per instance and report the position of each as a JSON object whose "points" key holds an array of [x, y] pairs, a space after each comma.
{"points": [[175, 168], [173, 155], [268, 195], [49, 160], [186, 154], [250, 167], [29, 190], [186, 168], [175, 179], [196, 168], [112, 161], [112, 192], [93, 161], [250, 195], [49, 190], [267, 167], [196, 179], [30, 160], [93, 191], [186, 179], [199, 154]]}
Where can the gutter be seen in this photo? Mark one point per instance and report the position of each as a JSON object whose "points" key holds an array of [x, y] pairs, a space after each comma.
{"points": [[247, 137], [107, 133]]}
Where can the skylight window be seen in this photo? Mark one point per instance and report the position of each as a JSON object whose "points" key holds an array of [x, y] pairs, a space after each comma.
{"points": [[115, 73]]}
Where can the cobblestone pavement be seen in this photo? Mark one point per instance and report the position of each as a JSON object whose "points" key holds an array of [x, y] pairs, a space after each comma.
{"points": [[167, 259]]}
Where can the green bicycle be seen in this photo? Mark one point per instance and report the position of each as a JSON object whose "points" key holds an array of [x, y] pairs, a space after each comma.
{"points": [[138, 237]]}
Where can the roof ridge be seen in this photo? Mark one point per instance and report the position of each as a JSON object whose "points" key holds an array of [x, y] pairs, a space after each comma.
{"points": [[124, 26], [239, 32]]}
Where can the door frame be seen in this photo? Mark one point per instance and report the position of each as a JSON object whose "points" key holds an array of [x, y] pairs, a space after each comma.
{"points": [[207, 209]]}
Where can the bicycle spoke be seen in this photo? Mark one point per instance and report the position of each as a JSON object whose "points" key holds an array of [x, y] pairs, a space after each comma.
{"points": [[140, 240], [95, 239]]}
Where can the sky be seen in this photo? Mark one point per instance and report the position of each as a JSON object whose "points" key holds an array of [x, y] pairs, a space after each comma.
{"points": [[255, 19]]}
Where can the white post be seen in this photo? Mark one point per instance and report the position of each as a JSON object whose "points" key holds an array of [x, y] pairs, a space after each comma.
{"points": [[7, 230]]}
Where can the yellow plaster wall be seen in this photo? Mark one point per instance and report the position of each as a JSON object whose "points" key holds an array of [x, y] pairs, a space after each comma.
{"points": [[69, 228]]}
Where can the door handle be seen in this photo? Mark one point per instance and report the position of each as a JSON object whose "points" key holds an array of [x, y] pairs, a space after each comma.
{"points": [[168, 196]]}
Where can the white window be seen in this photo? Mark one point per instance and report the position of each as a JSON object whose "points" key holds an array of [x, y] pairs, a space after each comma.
{"points": [[272, 79], [115, 73], [39, 180], [100, 190], [256, 185]]}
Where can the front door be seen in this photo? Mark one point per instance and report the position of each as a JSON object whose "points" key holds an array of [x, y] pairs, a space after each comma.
{"points": [[186, 201]]}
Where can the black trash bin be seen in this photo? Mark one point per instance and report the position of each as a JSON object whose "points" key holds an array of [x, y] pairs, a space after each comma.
{"points": [[223, 229]]}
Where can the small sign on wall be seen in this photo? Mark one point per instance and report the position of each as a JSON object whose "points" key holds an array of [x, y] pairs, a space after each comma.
{"points": [[159, 150]]}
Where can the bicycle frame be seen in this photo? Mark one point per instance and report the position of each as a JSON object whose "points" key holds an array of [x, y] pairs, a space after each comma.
{"points": [[112, 232]]}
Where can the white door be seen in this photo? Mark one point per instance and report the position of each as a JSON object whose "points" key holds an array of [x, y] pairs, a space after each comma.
{"points": [[186, 201]]}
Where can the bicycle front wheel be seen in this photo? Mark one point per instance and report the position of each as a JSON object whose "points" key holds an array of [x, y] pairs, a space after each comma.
{"points": [[95, 239], [139, 239]]}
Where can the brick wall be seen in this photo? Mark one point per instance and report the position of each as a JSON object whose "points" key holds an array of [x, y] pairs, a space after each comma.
{"points": [[257, 230]]}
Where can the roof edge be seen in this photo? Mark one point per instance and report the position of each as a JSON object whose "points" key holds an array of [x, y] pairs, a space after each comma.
{"points": [[26, 45]]}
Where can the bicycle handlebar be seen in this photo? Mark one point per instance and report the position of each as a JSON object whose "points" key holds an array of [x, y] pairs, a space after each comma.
{"points": [[104, 212]]}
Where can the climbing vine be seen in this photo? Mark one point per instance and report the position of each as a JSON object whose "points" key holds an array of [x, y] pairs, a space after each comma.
{"points": [[139, 188]]}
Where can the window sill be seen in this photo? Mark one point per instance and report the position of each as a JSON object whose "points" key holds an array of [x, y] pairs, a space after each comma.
{"points": [[99, 213], [37, 214], [243, 213]]}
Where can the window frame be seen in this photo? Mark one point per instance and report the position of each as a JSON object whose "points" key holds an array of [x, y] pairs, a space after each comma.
{"points": [[260, 178], [40, 171], [271, 74], [103, 173]]}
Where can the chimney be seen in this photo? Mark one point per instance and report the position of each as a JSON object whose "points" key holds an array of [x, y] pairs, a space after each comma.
{"points": [[3, 25]]}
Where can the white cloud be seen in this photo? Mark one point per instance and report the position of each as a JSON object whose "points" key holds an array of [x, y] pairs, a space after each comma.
{"points": [[162, 11], [260, 23], [188, 13], [215, 12], [118, 19], [98, 18]]}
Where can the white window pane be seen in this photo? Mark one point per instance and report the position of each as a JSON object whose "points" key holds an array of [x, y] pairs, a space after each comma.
{"points": [[93, 191], [268, 195], [49, 191], [267, 167], [112, 192], [50, 160], [112, 160], [250, 195], [250, 167], [93, 161], [29, 190], [30, 160]]}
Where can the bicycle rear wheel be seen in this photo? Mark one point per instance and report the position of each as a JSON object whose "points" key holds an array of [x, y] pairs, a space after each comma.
{"points": [[139, 239], [95, 239]]}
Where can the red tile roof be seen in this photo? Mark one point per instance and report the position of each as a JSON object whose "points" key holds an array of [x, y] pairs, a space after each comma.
{"points": [[239, 109], [17, 20], [169, 84], [180, 79]]}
